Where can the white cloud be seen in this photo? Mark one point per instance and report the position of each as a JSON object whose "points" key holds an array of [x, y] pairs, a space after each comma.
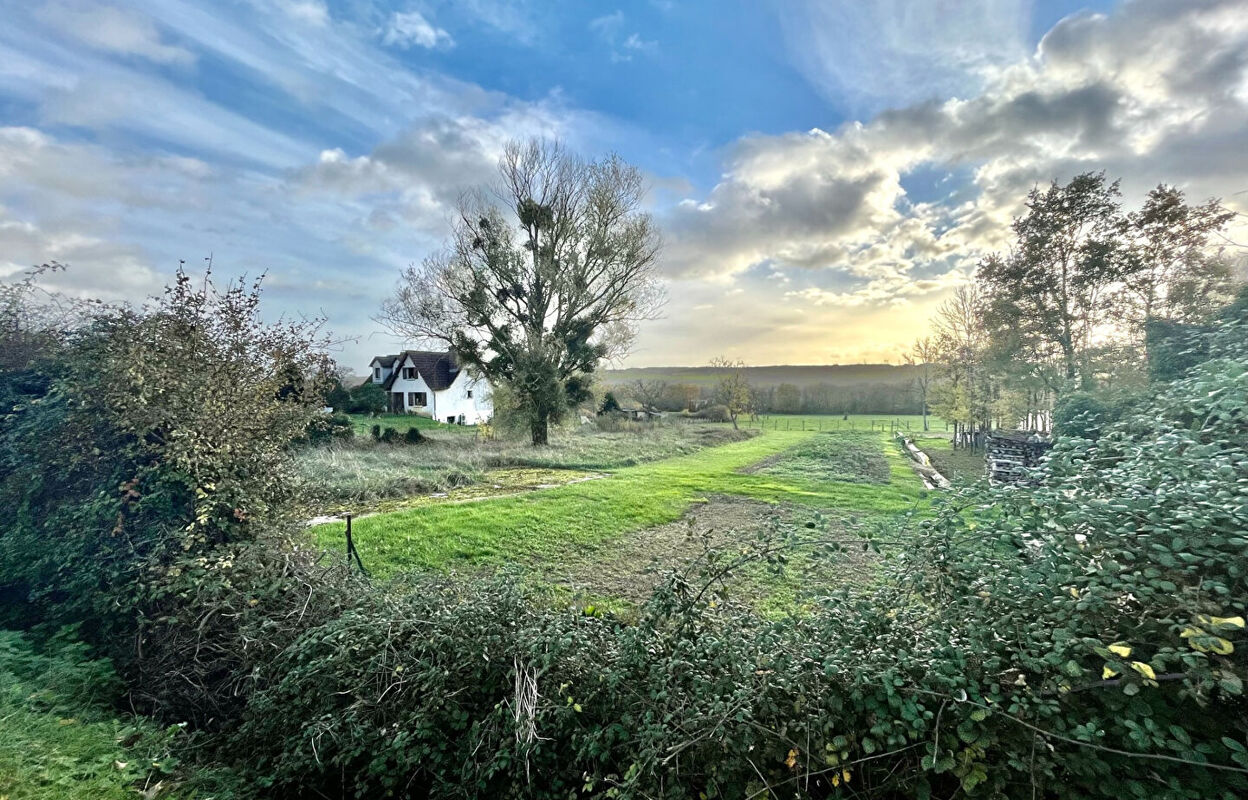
{"points": [[411, 28], [112, 29], [610, 27], [890, 52]]}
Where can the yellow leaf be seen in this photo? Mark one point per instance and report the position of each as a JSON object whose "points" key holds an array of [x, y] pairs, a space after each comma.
{"points": [[791, 761], [1144, 669], [1108, 672], [836, 779], [1074, 592], [1119, 649], [1234, 622], [1191, 631], [845, 775], [1221, 646]]}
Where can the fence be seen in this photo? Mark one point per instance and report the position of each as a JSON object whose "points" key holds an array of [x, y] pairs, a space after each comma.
{"points": [[829, 424]]}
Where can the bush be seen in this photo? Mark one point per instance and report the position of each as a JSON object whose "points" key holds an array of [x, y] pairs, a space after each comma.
{"points": [[412, 436], [1083, 638], [1080, 414], [328, 428], [375, 432], [609, 404], [716, 413], [389, 435]]}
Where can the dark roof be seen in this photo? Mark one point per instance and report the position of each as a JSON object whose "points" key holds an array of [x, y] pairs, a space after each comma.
{"points": [[439, 369]]}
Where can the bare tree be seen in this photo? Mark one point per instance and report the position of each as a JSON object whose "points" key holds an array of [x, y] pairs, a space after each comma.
{"points": [[651, 394], [543, 277], [733, 389], [923, 354]]}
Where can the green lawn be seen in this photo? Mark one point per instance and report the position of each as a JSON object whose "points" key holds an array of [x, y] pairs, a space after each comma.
{"points": [[539, 526], [363, 424]]}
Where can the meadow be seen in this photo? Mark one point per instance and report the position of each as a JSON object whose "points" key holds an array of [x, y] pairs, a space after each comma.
{"points": [[594, 537]]}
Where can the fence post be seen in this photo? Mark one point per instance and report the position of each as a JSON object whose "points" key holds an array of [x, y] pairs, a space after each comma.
{"points": [[352, 552]]}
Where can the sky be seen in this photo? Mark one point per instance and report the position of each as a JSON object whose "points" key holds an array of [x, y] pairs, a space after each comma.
{"points": [[824, 172]]}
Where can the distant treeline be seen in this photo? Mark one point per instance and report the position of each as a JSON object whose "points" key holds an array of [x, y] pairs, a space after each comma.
{"points": [[829, 389]]}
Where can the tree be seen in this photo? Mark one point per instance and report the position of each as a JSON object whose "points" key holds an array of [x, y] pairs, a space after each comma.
{"points": [[788, 398], [338, 397], [1053, 287], [733, 390], [1170, 273], [368, 398], [541, 279], [609, 404], [923, 354], [650, 394]]}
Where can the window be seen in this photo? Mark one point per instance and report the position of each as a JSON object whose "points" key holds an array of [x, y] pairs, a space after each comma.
{"points": [[376, 373], [409, 373], [416, 399], [469, 394]]}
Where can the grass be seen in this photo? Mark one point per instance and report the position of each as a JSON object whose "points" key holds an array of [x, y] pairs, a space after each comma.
{"points": [[960, 466], [61, 740], [852, 457], [545, 526], [360, 474], [363, 424]]}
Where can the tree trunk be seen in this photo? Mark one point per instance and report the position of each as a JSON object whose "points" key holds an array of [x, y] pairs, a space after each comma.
{"points": [[539, 428]]}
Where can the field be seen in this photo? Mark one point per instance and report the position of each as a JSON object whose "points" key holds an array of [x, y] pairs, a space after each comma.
{"points": [[596, 537]]}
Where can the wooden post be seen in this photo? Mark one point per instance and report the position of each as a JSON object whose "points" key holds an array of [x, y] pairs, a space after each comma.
{"points": [[352, 553]]}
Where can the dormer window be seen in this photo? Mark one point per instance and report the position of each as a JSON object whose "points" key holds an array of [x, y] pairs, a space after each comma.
{"points": [[376, 373], [469, 394], [409, 373]]}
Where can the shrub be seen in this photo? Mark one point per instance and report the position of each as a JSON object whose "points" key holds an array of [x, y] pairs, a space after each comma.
{"points": [[332, 427], [1083, 638], [375, 432], [1080, 414], [389, 435], [715, 413], [609, 404], [412, 436]]}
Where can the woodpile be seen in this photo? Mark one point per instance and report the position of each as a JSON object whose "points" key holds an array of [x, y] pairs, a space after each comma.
{"points": [[1011, 454]]}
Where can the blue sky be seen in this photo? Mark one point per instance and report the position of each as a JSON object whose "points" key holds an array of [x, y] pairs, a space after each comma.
{"points": [[824, 171]]}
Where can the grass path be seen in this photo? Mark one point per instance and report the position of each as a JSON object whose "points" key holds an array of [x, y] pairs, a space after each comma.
{"points": [[539, 525]]}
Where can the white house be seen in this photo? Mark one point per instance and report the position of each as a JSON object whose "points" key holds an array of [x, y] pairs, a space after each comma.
{"points": [[433, 385]]}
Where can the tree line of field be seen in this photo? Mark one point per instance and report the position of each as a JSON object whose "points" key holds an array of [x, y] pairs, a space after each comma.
{"points": [[899, 396], [1082, 637], [1089, 302]]}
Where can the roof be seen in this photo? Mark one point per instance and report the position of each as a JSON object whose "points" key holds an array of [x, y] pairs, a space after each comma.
{"points": [[438, 368]]}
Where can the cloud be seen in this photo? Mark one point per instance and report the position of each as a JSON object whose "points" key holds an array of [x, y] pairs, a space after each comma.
{"points": [[112, 29], [1097, 93], [888, 52], [411, 28], [610, 27]]}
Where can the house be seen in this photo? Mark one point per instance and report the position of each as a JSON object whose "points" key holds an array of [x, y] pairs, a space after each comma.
{"points": [[432, 384]]}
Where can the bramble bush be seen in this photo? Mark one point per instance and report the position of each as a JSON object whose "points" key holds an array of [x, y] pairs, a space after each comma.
{"points": [[1083, 638]]}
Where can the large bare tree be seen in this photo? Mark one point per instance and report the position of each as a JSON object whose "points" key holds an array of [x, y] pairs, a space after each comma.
{"points": [[544, 275]]}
